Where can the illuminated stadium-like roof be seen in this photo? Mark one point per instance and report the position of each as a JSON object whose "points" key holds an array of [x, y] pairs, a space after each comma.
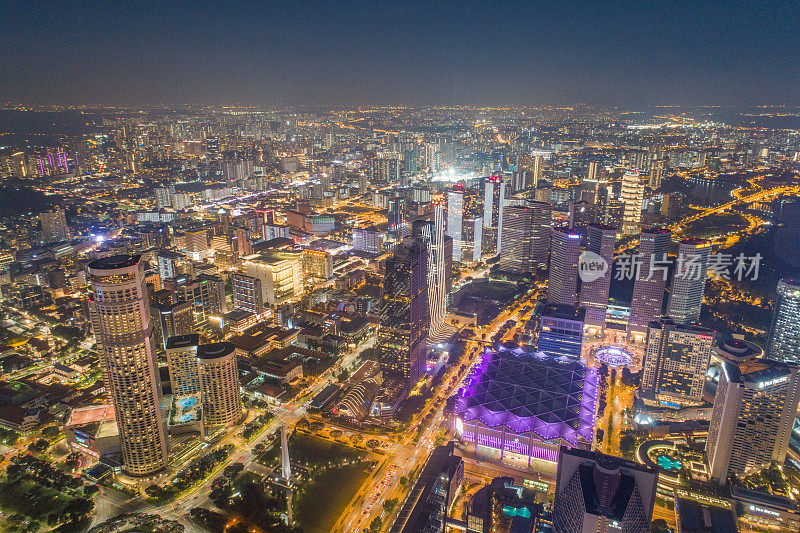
{"points": [[552, 397]]}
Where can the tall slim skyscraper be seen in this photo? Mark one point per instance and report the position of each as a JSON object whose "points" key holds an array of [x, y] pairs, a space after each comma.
{"points": [[219, 384], [784, 333], [650, 284], [593, 171], [54, 225], [594, 294], [565, 249], [433, 235], [404, 311], [397, 217], [170, 320], [753, 414], [600, 493], [526, 237], [182, 364], [120, 316], [632, 196], [464, 224], [689, 281], [494, 195], [537, 169], [675, 362]]}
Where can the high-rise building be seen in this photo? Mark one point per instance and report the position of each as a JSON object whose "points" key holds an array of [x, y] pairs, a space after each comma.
{"points": [[632, 196], [593, 173], [247, 293], [526, 237], [368, 240], [410, 161], [753, 414], [650, 284], [397, 217], [594, 292], [784, 333], [561, 330], [494, 195], [433, 235], [281, 275], [219, 384], [164, 196], [170, 320], [464, 224], [317, 264], [120, 316], [537, 170], [206, 294], [182, 364], [600, 493], [675, 362], [689, 281], [565, 250], [404, 311], [54, 225]]}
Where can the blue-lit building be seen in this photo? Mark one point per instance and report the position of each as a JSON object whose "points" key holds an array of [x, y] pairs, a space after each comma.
{"points": [[561, 330]]}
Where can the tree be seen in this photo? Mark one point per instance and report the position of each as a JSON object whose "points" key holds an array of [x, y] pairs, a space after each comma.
{"points": [[403, 481], [659, 525], [389, 505], [376, 525], [336, 433]]}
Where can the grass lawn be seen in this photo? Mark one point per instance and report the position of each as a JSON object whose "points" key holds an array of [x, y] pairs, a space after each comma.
{"points": [[314, 452], [321, 501], [31, 499]]}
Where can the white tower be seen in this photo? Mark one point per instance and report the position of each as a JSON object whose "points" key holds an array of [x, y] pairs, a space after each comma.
{"points": [[286, 467]]}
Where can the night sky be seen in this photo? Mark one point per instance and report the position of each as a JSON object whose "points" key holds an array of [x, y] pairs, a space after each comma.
{"points": [[427, 52]]}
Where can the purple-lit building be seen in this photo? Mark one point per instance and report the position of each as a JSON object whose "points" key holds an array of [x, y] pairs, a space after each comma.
{"points": [[528, 403]]}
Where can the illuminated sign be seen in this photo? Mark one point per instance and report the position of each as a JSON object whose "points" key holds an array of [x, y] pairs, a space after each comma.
{"points": [[772, 382], [760, 510]]}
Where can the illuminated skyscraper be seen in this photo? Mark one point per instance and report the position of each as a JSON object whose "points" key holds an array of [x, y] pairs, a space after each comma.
{"points": [[54, 225], [219, 384], [404, 311], [689, 281], [565, 249], [494, 196], [594, 294], [120, 314], [526, 237], [753, 414], [650, 284], [464, 224], [675, 362], [784, 334], [433, 235], [182, 364], [397, 217], [632, 196]]}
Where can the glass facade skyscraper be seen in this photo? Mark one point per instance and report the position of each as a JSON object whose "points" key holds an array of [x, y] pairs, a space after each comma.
{"points": [[784, 336]]}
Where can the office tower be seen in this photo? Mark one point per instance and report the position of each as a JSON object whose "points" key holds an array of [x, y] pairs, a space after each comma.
{"points": [[397, 217], [613, 213], [196, 247], [433, 235], [784, 333], [410, 162], [164, 196], [184, 377], [431, 157], [241, 241], [404, 311], [247, 293], [649, 285], [537, 170], [600, 493], [581, 214], [435, 490], [464, 224], [675, 362], [447, 252], [281, 275], [368, 240], [119, 311], [561, 330], [170, 320], [526, 237], [632, 196], [317, 264], [171, 264], [54, 225], [656, 174], [206, 294], [219, 384], [494, 195], [751, 422], [689, 281], [594, 292], [565, 249]]}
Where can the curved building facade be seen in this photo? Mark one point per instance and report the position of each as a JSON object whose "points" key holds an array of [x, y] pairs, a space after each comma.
{"points": [[120, 314], [219, 384]]}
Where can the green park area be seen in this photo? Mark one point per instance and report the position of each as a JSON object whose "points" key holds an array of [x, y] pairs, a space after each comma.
{"points": [[321, 501]]}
